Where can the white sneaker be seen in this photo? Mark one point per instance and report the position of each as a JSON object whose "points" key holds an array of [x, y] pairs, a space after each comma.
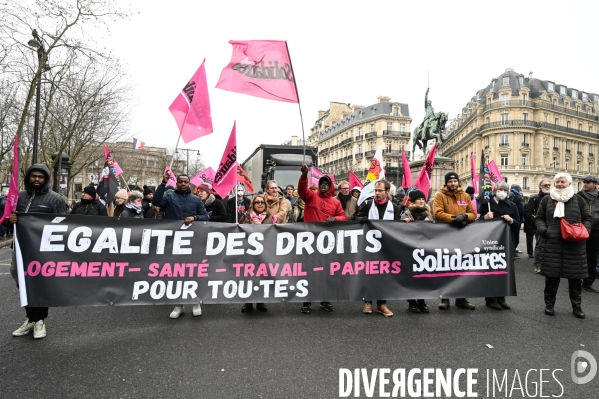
{"points": [[39, 331], [197, 310], [24, 329], [177, 311]]}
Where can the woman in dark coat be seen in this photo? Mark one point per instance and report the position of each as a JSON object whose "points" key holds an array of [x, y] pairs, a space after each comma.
{"points": [[257, 214], [561, 258], [214, 207], [133, 208], [500, 207]]}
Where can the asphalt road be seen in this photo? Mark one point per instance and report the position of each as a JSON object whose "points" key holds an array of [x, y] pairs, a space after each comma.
{"points": [[138, 352]]}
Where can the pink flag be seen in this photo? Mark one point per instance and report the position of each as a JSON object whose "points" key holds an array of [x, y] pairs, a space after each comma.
{"points": [[172, 181], [191, 108], [495, 174], [406, 180], [111, 162], [423, 182], [226, 174], [205, 176], [315, 175], [13, 191], [354, 181], [260, 68]]}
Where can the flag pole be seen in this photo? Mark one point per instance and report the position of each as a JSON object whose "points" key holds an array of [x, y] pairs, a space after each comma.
{"points": [[174, 152], [298, 100]]}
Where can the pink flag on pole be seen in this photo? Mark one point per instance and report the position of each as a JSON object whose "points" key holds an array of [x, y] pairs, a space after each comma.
{"points": [[495, 174], [191, 108], [315, 175], [112, 163], [406, 180], [13, 190], [354, 181], [226, 173], [260, 68], [205, 176], [172, 181], [423, 182]]}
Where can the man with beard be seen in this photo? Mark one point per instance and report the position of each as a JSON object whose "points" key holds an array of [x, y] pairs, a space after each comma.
{"points": [[530, 228], [89, 204], [37, 198], [589, 194], [453, 205], [180, 204], [349, 203], [320, 206]]}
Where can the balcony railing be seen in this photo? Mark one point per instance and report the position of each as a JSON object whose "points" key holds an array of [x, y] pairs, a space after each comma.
{"points": [[525, 145], [546, 105], [504, 144], [579, 152], [491, 125], [568, 150], [369, 154], [395, 133], [553, 126], [555, 148], [359, 155], [370, 134], [346, 141], [392, 153], [510, 103], [360, 137]]}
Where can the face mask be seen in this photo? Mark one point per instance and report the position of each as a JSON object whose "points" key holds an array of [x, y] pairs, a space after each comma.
{"points": [[240, 193], [501, 195]]}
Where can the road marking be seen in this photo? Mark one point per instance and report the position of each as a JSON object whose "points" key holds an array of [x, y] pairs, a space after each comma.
{"points": [[4, 264]]}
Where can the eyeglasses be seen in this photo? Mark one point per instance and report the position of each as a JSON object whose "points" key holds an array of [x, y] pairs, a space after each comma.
{"points": [[546, 185], [344, 188]]}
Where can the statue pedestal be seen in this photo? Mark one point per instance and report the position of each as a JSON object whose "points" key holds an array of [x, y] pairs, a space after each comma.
{"points": [[443, 165]]}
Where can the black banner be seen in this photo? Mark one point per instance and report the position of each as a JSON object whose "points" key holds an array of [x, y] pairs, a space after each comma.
{"points": [[90, 261]]}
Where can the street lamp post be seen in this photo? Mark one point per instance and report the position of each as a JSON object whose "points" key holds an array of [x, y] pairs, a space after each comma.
{"points": [[187, 152], [37, 43]]}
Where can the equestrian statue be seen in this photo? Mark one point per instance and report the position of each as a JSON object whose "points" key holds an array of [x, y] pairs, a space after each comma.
{"points": [[431, 127]]}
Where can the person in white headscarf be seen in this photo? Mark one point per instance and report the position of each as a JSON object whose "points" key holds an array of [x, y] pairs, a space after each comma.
{"points": [[560, 258]]}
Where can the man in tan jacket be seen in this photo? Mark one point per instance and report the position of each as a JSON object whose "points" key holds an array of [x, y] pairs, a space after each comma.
{"points": [[277, 204], [349, 203], [453, 205]]}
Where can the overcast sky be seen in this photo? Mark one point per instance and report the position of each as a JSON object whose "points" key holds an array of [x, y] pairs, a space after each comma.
{"points": [[345, 51]]}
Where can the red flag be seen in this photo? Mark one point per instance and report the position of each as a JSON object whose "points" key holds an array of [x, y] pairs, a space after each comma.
{"points": [[172, 181], [260, 68], [423, 182], [226, 176], [13, 191], [244, 179], [406, 180], [354, 181], [191, 108]]}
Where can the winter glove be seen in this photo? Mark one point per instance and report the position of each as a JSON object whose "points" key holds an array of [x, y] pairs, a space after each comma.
{"points": [[460, 220], [362, 219]]}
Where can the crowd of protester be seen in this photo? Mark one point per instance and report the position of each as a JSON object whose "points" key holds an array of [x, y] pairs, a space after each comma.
{"points": [[554, 256]]}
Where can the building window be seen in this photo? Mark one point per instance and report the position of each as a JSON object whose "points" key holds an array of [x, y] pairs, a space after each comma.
{"points": [[506, 81], [389, 126], [402, 127], [487, 141], [395, 111], [504, 119], [566, 165], [524, 98], [555, 142], [578, 166], [505, 99], [579, 147], [521, 80], [372, 127], [504, 139], [524, 139], [388, 145], [524, 117], [372, 146], [590, 129], [524, 160], [359, 148], [554, 162], [550, 86], [580, 126], [503, 160], [359, 131], [525, 183], [562, 91], [591, 168], [574, 95], [567, 144], [556, 122], [585, 97]]}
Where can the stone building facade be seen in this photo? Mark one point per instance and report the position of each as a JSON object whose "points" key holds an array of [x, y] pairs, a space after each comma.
{"points": [[531, 128], [347, 137]]}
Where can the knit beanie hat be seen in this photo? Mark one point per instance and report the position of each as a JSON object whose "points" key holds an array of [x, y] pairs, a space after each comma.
{"points": [[470, 190], [416, 194], [400, 192], [148, 190], [91, 190], [451, 175]]}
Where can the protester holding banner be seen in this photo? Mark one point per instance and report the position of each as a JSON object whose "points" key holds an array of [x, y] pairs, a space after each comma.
{"points": [[237, 205], [348, 202], [180, 204], [215, 208], [378, 208], [276, 203], [453, 205], [530, 227], [502, 208], [133, 208], [320, 207], [561, 258], [258, 213], [120, 199], [89, 204], [36, 198], [590, 195]]}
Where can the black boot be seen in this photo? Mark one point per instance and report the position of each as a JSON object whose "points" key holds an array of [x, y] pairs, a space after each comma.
{"points": [[413, 306]]}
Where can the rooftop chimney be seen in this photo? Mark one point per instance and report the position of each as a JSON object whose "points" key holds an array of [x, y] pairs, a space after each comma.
{"points": [[530, 75], [293, 140]]}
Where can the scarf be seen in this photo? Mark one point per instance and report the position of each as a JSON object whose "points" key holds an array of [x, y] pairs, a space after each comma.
{"points": [[373, 214], [343, 199], [418, 213], [300, 205], [257, 218], [134, 207], [561, 196], [86, 201], [589, 195], [209, 200]]}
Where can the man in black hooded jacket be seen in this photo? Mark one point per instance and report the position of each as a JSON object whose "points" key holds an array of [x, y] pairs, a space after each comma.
{"points": [[36, 198]]}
